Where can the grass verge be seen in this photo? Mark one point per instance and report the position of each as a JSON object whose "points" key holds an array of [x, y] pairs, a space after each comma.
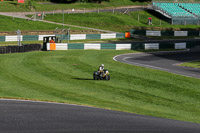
{"points": [[66, 76], [10, 24], [194, 64]]}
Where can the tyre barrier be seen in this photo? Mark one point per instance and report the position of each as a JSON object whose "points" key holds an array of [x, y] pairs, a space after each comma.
{"points": [[20, 49]]}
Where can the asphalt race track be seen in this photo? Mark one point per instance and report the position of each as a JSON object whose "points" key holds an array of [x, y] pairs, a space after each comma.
{"points": [[41, 117], [165, 61]]}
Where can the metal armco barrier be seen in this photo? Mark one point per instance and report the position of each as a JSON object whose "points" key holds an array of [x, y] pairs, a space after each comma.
{"points": [[124, 46], [20, 49], [165, 33], [63, 37]]}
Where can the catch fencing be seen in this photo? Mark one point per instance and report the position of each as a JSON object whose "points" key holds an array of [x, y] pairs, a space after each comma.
{"points": [[20, 49], [185, 21]]}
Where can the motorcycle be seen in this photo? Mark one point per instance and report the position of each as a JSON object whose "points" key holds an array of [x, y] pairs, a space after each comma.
{"points": [[101, 75]]}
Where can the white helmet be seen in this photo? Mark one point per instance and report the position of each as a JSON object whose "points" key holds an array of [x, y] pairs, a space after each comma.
{"points": [[102, 65]]}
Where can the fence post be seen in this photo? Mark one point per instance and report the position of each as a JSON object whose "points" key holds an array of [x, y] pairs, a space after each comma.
{"points": [[98, 10], [68, 31], [138, 18], [84, 10], [19, 37], [43, 15], [113, 10], [35, 17], [172, 22]]}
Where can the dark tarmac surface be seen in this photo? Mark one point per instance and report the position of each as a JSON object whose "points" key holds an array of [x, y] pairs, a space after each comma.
{"points": [[165, 61], [40, 117]]}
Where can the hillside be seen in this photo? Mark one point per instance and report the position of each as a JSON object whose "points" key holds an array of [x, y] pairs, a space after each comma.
{"points": [[13, 6]]}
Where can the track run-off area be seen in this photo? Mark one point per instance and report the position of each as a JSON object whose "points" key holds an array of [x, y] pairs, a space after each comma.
{"points": [[155, 101]]}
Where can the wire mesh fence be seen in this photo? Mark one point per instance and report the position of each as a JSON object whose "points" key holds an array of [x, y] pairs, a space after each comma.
{"points": [[185, 21], [156, 19], [178, 1]]}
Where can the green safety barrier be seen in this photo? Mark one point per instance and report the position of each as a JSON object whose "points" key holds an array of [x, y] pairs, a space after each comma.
{"points": [[139, 32], [134, 45], [108, 46], [61, 37], [192, 44], [30, 38], [167, 33], [132, 31], [193, 33], [137, 45], [2, 38], [120, 35], [76, 46], [166, 45], [93, 36]]}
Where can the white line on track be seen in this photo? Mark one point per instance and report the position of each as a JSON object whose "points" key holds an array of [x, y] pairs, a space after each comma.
{"points": [[184, 62], [153, 67], [114, 58], [139, 64], [31, 101]]}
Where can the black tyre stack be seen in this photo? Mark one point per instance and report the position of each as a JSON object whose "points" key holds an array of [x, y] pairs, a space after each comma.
{"points": [[20, 49]]}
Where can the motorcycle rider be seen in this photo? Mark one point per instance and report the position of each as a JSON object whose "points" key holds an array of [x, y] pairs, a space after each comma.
{"points": [[101, 69], [52, 41]]}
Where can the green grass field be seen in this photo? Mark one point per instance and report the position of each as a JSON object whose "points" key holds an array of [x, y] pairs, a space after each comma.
{"points": [[116, 22], [66, 77], [9, 6], [194, 64]]}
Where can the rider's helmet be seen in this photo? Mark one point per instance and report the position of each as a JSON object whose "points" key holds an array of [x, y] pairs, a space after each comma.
{"points": [[102, 65]]}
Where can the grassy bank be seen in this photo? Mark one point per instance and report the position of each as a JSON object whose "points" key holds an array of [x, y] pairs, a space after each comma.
{"points": [[66, 76], [117, 22], [10, 6], [10, 24]]}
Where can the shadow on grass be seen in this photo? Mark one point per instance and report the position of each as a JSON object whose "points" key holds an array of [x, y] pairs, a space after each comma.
{"points": [[82, 79], [13, 3]]}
